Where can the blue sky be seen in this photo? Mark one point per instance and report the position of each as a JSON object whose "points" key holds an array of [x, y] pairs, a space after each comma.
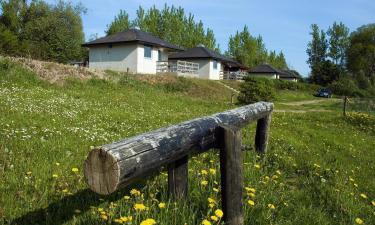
{"points": [[283, 24]]}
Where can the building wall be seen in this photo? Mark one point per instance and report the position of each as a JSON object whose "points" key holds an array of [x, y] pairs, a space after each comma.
{"points": [[215, 73], [266, 75], [125, 58], [206, 69], [148, 65], [117, 57], [289, 79]]}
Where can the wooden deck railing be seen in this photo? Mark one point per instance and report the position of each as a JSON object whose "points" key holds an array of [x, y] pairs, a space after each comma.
{"points": [[112, 166], [234, 75], [180, 67]]}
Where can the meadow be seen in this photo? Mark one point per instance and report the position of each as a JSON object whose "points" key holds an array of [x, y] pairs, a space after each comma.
{"points": [[319, 168]]}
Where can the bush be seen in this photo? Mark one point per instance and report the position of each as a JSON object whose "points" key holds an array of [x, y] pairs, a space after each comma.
{"points": [[256, 89]]}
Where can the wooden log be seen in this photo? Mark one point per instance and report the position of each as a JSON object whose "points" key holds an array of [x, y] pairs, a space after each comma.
{"points": [[261, 135], [178, 178], [231, 167], [110, 167]]}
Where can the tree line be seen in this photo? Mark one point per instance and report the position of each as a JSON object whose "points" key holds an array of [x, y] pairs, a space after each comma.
{"points": [[175, 26], [343, 60], [54, 32], [40, 30]]}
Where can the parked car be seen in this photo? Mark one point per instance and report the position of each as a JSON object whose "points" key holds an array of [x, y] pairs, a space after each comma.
{"points": [[323, 92]]}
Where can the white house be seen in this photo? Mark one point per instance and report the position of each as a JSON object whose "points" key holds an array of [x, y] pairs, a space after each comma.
{"points": [[136, 51], [267, 71], [212, 65], [133, 51]]}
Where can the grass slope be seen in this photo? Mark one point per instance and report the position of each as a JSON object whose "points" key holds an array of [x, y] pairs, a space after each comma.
{"points": [[317, 167]]}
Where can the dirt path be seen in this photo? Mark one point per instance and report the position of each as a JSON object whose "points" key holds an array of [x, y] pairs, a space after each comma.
{"points": [[306, 102]]}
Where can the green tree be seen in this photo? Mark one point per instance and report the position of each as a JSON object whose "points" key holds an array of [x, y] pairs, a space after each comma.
{"points": [[120, 23], [173, 25], [317, 54], [10, 26], [338, 43], [361, 52], [251, 51], [41, 30], [54, 32]]}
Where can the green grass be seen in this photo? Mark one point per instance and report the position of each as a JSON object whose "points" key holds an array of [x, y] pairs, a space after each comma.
{"points": [[317, 165]]}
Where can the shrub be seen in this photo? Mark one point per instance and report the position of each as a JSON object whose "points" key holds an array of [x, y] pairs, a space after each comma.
{"points": [[256, 89], [364, 120]]}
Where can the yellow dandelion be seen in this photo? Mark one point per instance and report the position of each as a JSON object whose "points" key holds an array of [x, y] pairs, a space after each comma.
{"points": [[219, 213], [250, 189], [251, 194], [135, 192], [55, 175], [251, 202], [364, 196], [215, 190], [148, 221], [213, 171], [75, 169], [359, 221], [211, 200], [257, 166], [206, 222], [271, 206], [126, 197], [29, 173], [65, 191], [204, 172], [373, 203], [57, 164], [214, 218], [118, 221], [204, 183], [278, 172], [211, 205], [162, 205], [104, 217], [139, 207]]}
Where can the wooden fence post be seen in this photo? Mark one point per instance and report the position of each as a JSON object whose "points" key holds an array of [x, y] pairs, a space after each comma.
{"points": [[345, 104], [231, 166], [178, 178], [261, 135]]}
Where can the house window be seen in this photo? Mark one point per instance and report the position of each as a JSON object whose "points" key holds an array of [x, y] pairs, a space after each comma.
{"points": [[215, 65], [148, 52], [159, 55]]}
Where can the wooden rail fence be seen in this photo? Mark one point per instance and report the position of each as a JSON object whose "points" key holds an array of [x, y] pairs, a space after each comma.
{"points": [[112, 166]]}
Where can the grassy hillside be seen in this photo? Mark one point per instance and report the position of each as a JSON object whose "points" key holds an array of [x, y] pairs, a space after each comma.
{"points": [[318, 170]]}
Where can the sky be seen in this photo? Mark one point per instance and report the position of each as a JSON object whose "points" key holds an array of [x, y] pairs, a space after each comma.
{"points": [[283, 24]]}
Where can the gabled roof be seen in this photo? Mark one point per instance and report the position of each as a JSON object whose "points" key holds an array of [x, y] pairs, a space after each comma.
{"points": [[287, 74], [132, 35], [264, 68], [199, 52]]}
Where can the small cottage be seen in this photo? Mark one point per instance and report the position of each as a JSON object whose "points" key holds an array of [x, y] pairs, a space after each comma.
{"points": [[267, 71], [133, 51], [212, 65]]}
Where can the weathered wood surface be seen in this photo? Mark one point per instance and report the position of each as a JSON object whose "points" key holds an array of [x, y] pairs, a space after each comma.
{"points": [[231, 168], [178, 178], [109, 167], [261, 135]]}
